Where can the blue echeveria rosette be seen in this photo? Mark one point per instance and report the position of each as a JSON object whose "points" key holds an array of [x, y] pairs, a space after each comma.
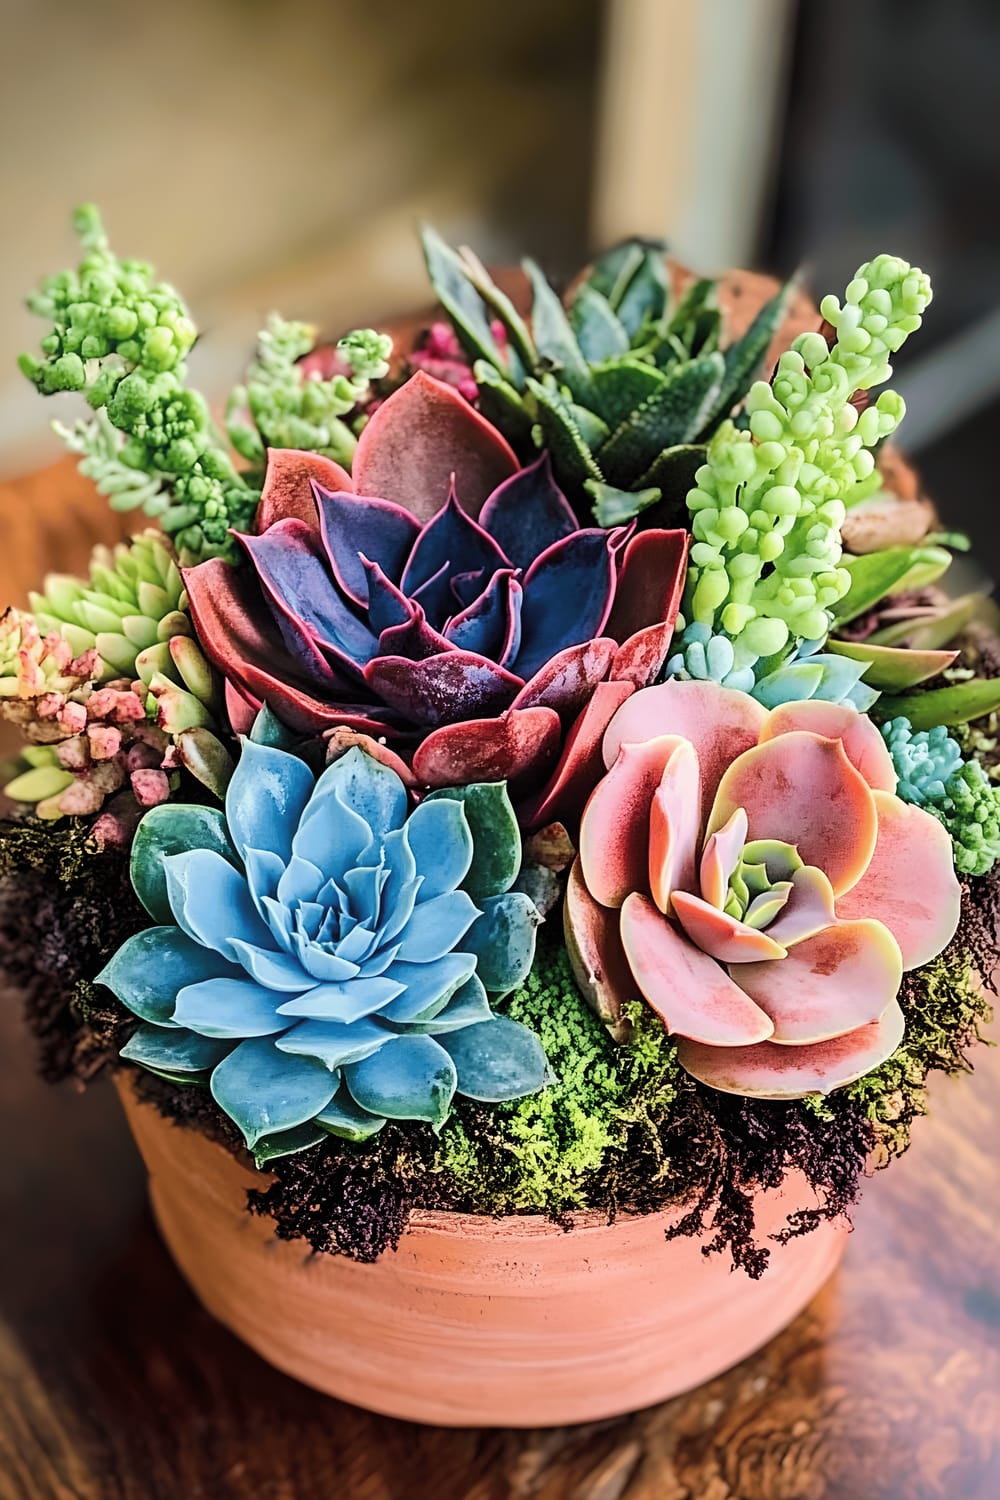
{"points": [[328, 952]]}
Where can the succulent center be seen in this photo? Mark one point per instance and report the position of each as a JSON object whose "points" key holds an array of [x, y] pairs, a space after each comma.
{"points": [[761, 882]]}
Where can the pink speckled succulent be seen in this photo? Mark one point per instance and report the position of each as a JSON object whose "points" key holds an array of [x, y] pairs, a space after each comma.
{"points": [[753, 875]]}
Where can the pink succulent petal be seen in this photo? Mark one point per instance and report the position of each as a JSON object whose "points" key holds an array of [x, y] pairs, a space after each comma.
{"points": [[721, 936], [568, 680], [865, 748], [355, 526], [650, 582], [445, 689], [720, 857], [641, 657], [594, 946], [841, 979], [418, 438], [614, 833], [910, 884], [719, 722], [288, 486], [675, 826], [772, 1071], [690, 993], [809, 908], [803, 790], [518, 747], [581, 765]]}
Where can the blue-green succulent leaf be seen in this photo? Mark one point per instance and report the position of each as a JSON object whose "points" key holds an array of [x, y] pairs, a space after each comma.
{"points": [[437, 927], [334, 1043], [467, 1007], [211, 902], [503, 941], [427, 987], [278, 971], [331, 834], [269, 730], [173, 1050], [266, 798], [287, 1143], [343, 1118], [172, 828], [346, 1002], [372, 790], [151, 966], [229, 1008], [263, 1090], [496, 837], [496, 1060], [411, 1078]]}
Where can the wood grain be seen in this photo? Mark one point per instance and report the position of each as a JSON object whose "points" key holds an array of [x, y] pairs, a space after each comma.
{"points": [[116, 1386]]}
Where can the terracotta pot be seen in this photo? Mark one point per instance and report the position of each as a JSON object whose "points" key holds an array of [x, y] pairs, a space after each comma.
{"points": [[472, 1321]]}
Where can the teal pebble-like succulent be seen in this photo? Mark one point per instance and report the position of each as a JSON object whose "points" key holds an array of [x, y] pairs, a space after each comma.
{"points": [[933, 775], [805, 672], [327, 953]]}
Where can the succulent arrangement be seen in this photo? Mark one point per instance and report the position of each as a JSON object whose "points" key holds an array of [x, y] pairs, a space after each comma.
{"points": [[538, 767]]}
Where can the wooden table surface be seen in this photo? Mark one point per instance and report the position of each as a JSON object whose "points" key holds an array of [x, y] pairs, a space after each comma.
{"points": [[114, 1385]]}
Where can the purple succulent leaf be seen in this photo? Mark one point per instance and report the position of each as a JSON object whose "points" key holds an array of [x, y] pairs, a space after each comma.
{"points": [[445, 689], [491, 624], [414, 638], [432, 588], [353, 526], [388, 607], [295, 579], [568, 593], [465, 588], [454, 538], [527, 513], [567, 681]]}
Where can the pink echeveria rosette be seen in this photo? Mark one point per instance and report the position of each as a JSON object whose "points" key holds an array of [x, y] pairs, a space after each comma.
{"points": [[754, 877]]}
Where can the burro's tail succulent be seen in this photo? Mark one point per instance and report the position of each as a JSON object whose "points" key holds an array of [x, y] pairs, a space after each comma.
{"points": [[327, 954], [768, 504]]}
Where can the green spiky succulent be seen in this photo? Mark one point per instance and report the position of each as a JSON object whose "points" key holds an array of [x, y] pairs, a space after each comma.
{"points": [[623, 386], [120, 338], [133, 599], [280, 407]]}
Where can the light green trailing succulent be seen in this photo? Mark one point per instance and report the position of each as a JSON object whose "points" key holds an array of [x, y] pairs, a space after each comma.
{"points": [[622, 386], [280, 406], [933, 775], [120, 339], [133, 599], [766, 567], [329, 955]]}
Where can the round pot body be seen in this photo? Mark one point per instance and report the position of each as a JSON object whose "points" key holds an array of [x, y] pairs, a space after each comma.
{"points": [[474, 1321]]}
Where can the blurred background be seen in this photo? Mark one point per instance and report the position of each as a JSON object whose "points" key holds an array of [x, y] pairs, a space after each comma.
{"points": [[278, 153]]}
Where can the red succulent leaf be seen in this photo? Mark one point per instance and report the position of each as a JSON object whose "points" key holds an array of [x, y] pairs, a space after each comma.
{"points": [[518, 747], [288, 485], [422, 435]]}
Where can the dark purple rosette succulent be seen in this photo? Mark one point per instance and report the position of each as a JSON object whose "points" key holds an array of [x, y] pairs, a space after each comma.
{"points": [[442, 598]]}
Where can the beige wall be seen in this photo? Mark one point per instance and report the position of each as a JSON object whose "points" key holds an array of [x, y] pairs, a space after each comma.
{"points": [[276, 153]]}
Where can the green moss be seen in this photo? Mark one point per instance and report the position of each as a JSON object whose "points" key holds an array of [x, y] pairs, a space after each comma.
{"points": [[541, 1153]]}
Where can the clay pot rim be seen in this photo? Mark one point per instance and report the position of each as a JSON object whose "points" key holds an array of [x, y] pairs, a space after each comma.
{"points": [[442, 1221]]}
